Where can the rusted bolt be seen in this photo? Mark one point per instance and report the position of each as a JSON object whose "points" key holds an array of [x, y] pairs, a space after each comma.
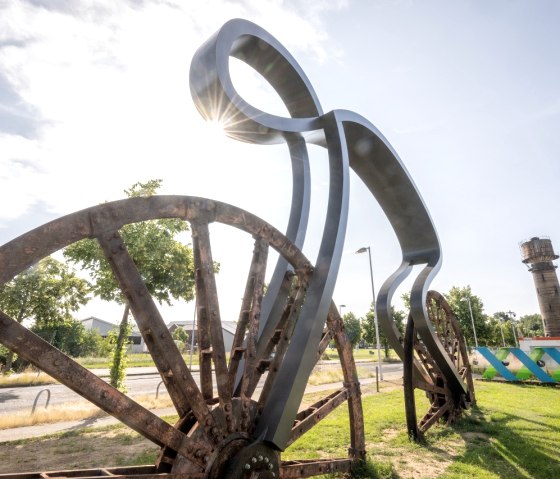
{"points": [[253, 459], [208, 421]]}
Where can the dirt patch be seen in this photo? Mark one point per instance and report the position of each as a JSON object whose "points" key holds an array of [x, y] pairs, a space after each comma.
{"points": [[87, 450], [424, 462]]}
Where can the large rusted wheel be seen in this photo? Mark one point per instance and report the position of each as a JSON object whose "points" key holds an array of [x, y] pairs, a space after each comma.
{"points": [[215, 435], [444, 405]]}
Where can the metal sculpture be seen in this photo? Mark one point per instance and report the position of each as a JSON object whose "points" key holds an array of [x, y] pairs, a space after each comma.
{"points": [[444, 404], [240, 432]]}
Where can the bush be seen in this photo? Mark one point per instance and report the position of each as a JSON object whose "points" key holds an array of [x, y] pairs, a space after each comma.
{"points": [[71, 338]]}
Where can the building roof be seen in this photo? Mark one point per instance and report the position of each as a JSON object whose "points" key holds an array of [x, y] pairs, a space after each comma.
{"points": [[135, 330]]}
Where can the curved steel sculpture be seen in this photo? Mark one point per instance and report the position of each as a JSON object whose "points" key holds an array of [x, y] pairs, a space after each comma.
{"points": [[239, 433], [351, 141]]}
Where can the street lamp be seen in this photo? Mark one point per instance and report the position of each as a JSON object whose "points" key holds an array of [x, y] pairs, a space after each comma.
{"points": [[468, 300], [502, 332], [340, 309], [512, 315], [363, 250]]}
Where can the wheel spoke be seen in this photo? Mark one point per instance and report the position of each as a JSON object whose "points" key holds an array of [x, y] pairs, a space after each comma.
{"points": [[250, 298], [314, 467], [174, 372], [351, 382], [256, 298], [46, 357], [284, 335], [315, 413], [206, 283]]}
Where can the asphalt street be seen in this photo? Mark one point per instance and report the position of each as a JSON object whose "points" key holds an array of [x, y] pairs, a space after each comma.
{"points": [[140, 381]]}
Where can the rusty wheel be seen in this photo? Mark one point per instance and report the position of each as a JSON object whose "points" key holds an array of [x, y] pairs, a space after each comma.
{"points": [[444, 405], [215, 435]]}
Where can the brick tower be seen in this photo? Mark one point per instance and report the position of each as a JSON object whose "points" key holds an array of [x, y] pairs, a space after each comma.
{"points": [[539, 255]]}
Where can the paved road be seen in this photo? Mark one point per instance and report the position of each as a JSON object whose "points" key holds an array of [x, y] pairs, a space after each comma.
{"points": [[140, 381]]}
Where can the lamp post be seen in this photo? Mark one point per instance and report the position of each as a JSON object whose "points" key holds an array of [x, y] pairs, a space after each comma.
{"points": [[378, 343], [468, 300], [340, 309], [502, 333], [512, 315]]}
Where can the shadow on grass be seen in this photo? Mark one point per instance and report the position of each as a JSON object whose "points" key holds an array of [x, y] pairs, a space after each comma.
{"points": [[502, 444]]}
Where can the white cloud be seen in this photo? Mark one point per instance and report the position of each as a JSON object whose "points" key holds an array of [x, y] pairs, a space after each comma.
{"points": [[109, 82]]}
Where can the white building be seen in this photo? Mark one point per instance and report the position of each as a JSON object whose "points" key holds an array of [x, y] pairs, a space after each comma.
{"points": [[103, 327], [228, 330]]}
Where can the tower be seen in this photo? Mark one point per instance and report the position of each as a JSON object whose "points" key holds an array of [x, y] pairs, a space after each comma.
{"points": [[538, 255]]}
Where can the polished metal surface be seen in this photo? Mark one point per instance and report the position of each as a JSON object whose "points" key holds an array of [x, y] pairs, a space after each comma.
{"points": [[352, 142], [296, 319]]}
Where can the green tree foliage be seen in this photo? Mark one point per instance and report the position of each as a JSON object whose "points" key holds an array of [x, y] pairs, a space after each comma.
{"points": [[368, 329], [46, 294], [505, 323], [165, 264], [353, 328], [181, 335], [70, 337], [120, 340], [531, 325], [458, 298]]}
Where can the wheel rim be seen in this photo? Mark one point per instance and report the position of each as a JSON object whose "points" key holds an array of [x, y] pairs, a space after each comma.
{"points": [[214, 434], [444, 405]]}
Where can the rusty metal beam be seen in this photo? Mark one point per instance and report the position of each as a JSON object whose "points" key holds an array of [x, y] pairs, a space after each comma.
{"points": [[315, 413], [207, 282], [127, 472], [314, 467], [40, 353]]}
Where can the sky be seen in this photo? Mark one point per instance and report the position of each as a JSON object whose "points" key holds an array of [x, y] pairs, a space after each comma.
{"points": [[94, 97]]}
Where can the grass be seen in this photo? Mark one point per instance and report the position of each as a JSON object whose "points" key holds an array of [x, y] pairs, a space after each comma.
{"points": [[512, 433], [71, 411], [25, 379], [369, 354]]}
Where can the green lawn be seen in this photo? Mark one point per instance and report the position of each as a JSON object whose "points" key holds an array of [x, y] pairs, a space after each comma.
{"points": [[512, 433]]}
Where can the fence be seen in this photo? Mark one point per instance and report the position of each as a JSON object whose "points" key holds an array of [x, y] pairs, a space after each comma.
{"points": [[513, 364]]}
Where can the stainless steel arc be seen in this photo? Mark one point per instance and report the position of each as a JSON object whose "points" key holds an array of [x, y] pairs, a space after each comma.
{"points": [[352, 141]]}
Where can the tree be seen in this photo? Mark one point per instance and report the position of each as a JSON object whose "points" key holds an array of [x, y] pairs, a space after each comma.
{"points": [[47, 294], [165, 264], [353, 329], [531, 325], [368, 328], [180, 334], [70, 337], [508, 326], [459, 298]]}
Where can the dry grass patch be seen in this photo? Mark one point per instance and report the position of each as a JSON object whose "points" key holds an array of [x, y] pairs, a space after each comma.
{"points": [[71, 411], [25, 379], [415, 461], [329, 374]]}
